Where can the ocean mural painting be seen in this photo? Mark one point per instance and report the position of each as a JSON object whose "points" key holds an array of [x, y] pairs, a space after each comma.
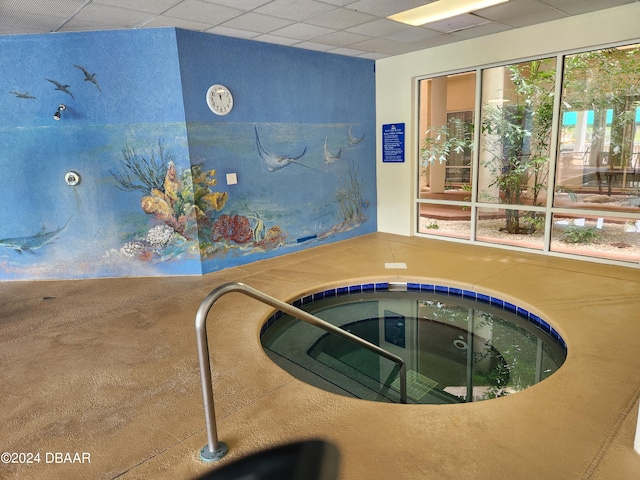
{"points": [[160, 187], [237, 220]]}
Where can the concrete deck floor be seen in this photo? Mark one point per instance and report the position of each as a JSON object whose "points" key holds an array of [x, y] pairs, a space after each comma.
{"points": [[109, 367]]}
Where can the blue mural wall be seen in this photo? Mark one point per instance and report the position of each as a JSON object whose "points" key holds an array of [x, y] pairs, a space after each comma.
{"points": [[152, 159]]}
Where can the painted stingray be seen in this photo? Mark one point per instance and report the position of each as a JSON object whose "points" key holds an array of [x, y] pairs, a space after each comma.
{"points": [[33, 242], [276, 162], [328, 156], [353, 140]]}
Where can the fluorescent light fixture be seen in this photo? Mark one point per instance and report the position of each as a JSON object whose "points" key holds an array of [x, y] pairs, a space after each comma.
{"points": [[440, 10]]}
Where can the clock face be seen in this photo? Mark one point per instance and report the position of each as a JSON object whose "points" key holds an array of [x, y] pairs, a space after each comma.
{"points": [[219, 99]]}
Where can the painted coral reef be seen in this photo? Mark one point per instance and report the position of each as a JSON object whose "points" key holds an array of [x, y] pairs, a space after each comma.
{"points": [[186, 210]]}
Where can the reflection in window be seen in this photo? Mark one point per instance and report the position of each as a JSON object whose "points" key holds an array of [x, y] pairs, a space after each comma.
{"points": [[616, 238], [517, 116], [445, 220], [599, 142], [491, 222], [497, 191], [446, 134]]}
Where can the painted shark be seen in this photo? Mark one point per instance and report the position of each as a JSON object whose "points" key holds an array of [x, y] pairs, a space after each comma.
{"points": [[33, 242]]}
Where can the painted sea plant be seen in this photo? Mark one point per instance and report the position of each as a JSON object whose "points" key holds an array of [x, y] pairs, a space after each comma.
{"points": [[349, 197], [178, 201]]}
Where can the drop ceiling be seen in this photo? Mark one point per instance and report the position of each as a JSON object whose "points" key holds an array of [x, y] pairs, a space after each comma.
{"points": [[347, 27]]}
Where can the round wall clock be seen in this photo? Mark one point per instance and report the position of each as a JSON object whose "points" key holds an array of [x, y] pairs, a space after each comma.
{"points": [[219, 99]]}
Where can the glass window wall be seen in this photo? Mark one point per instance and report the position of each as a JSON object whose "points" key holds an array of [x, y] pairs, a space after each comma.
{"points": [[446, 123], [562, 145]]}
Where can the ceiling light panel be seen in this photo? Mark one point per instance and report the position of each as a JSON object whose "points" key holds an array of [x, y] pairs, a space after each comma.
{"points": [[457, 23], [441, 10]]}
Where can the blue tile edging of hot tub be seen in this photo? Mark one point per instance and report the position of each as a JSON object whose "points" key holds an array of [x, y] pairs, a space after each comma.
{"points": [[429, 288]]}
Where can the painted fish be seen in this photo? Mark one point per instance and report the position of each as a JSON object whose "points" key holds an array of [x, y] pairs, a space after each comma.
{"points": [[33, 242], [276, 162], [259, 230], [353, 140], [328, 157]]}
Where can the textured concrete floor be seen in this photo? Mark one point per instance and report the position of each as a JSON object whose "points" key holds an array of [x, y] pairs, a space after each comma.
{"points": [[109, 368]]}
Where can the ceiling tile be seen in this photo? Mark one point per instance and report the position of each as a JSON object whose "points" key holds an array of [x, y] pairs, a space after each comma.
{"points": [[302, 31], [256, 22], [512, 8], [268, 38], [151, 6], [56, 8], [163, 21], [326, 25], [379, 28], [414, 34], [294, 9], [15, 23], [386, 8], [482, 30], [232, 32], [534, 18], [200, 11], [245, 5], [111, 17], [585, 6], [313, 46], [340, 19], [381, 45], [340, 39], [346, 51], [338, 3]]}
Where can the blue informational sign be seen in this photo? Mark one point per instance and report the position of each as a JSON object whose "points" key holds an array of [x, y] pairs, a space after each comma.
{"points": [[393, 142]]}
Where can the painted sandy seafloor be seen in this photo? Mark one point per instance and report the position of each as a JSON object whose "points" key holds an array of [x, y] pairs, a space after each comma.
{"points": [[174, 207]]}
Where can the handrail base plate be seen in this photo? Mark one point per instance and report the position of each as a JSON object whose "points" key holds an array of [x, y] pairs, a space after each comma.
{"points": [[208, 456]]}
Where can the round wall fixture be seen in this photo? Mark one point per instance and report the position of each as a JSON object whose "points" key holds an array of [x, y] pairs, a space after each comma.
{"points": [[72, 179]]}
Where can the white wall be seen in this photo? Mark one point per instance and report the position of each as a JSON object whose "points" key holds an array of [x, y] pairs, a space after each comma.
{"points": [[396, 88]]}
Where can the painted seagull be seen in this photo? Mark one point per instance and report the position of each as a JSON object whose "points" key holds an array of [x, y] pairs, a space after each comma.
{"points": [[61, 87], [276, 162], [33, 242], [328, 157], [23, 95], [353, 140], [89, 77]]}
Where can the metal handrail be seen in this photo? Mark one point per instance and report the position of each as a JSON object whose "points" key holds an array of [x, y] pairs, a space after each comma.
{"points": [[215, 450]]}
